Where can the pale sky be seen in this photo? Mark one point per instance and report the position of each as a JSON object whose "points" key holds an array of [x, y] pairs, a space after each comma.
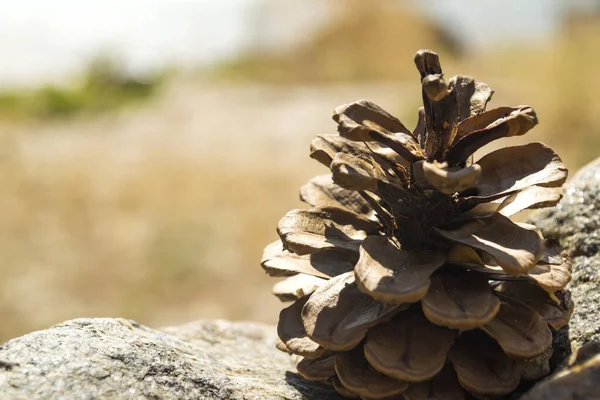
{"points": [[480, 22], [43, 40]]}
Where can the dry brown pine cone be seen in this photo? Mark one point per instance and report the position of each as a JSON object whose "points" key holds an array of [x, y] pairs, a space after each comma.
{"points": [[408, 278]]}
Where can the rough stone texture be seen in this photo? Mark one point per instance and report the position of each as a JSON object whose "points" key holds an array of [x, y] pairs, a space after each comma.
{"points": [[116, 358], [576, 223]]}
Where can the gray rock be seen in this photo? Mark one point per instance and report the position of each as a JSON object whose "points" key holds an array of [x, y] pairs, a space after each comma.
{"points": [[116, 358], [575, 222]]}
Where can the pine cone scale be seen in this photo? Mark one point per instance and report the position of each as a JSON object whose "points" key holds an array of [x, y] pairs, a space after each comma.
{"points": [[407, 275], [408, 348]]}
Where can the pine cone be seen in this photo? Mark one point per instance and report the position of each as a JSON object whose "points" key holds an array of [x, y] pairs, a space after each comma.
{"points": [[408, 278]]}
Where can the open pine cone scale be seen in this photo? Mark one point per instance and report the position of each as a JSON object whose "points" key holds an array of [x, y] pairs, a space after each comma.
{"points": [[409, 279]]}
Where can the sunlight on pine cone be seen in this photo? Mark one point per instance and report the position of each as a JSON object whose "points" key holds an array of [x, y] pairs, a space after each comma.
{"points": [[407, 275]]}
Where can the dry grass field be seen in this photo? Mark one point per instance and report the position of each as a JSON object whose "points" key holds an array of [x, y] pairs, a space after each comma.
{"points": [[158, 213]]}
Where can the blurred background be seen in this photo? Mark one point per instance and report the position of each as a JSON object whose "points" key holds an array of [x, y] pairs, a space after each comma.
{"points": [[149, 147]]}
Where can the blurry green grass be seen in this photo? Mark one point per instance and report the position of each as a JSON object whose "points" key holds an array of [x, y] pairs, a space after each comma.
{"points": [[104, 87]]}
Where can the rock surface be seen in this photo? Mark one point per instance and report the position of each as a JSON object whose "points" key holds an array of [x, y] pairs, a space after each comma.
{"points": [[116, 358], [576, 223]]}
